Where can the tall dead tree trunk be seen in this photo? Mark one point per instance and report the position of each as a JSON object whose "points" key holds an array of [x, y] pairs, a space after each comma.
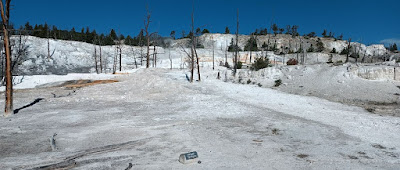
{"points": [[120, 58], [226, 53], [141, 49], [236, 44], [198, 64], [5, 15], [154, 56], [213, 55], [146, 26], [115, 60], [348, 50], [48, 45], [96, 63], [49, 55], [194, 44], [101, 62]]}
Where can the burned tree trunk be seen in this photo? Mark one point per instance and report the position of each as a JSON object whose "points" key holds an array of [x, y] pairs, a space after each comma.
{"points": [[194, 44], [120, 58], [236, 44], [146, 25], [348, 50], [95, 60], [5, 15]]}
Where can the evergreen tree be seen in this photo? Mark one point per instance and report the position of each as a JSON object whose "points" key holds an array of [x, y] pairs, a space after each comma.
{"points": [[205, 31], [265, 46], [281, 30], [232, 47], [311, 34], [172, 34], [275, 28], [87, 37], [251, 44], [393, 47], [28, 28], [263, 31], [108, 40], [113, 35], [121, 37], [227, 30], [140, 38], [128, 40], [294, 30], [324, 34], [198, 32], [54, 32]]}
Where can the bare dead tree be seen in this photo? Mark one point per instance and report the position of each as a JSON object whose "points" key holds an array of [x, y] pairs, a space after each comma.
{"points": [[213, 55], [5, 15], [115, 60], [48, 46], [190, 60], [141, 49], [95, 59], [21, 50], [236, 44], [192, 49], [120, 58], [146, 26], [154, 56], [194, 40], [133, 53], [348, 50], [226, 53], [100, 57]]}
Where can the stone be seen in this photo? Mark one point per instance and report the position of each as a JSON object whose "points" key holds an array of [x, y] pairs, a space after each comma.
{"points": [[188, 158]]}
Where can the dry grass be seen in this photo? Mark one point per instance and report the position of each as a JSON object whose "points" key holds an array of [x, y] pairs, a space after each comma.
{"points": [[85, 83]]}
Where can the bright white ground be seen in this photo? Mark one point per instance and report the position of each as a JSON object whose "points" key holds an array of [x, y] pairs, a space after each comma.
{"points": [[152, 116]]}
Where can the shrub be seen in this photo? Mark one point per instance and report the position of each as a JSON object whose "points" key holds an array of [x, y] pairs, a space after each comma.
{"points": [[344, 51], [260, 63], [264, 45], [311, 49], [278, 83], [239, 65], [248, 81], [292, 61], [333, 50], [320, 46], [227, 65]]}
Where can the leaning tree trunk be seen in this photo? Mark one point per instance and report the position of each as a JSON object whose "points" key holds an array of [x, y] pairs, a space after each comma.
{"points": [[197, 58]]}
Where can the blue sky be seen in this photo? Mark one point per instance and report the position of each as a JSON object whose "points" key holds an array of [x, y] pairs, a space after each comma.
{"points": [[369, 21]]}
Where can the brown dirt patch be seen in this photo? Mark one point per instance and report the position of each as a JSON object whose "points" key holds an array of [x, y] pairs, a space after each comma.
{"points": [[85, 83]]}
